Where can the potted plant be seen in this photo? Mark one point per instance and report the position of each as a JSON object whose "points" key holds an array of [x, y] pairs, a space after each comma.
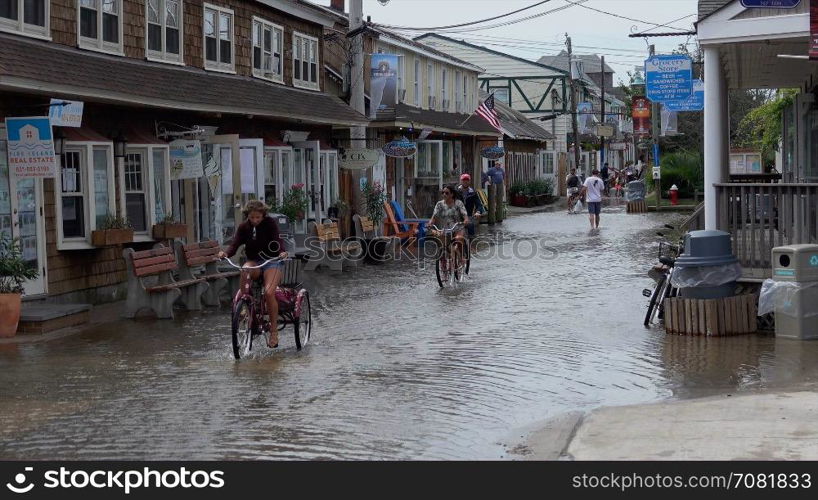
{"points": [[373, 198], [113, 230], [517, 194], [294, 203], [168, 228], [14, 271]]}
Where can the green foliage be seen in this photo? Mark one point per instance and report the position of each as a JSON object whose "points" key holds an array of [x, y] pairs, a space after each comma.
{"points": [[14, 271], [761, 128], [685, 169], [517, 188], [539, 186], [168, 219], [294, 203], [372, 202], [114, 222]]}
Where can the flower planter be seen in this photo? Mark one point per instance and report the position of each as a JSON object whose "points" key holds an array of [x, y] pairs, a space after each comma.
{"points": [[10, 304], [169, 231], [519, 200], [542, 199], [111, 237]]}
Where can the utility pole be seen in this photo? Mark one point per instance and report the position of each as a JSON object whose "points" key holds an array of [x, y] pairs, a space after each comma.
{"points": [[655, 122], [356, 74], [574, 119], [602, 59]]}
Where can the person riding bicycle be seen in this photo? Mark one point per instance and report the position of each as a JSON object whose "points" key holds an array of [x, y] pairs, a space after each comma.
{"points": [[262, 241], [573, 189], [474, 207], [448, 212]]}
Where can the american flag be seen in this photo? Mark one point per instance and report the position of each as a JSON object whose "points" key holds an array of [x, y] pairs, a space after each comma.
{"points": [[486, 110]]}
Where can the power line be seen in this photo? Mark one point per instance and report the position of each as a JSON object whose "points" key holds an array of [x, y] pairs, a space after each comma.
{"points": [[471, 23], [578, 4]]}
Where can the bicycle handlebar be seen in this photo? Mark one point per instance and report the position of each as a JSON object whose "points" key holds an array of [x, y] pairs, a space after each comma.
{"points": [[450, 229], [277, 259]]}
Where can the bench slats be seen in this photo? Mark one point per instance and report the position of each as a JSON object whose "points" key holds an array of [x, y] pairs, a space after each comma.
{"points": [[198, 261], [201, 252], [201, 245], [367, 225], [144, 254], [158, 268], [328, 232], [171, 286]]}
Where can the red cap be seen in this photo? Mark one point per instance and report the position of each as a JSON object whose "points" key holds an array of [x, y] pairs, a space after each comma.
{"points": [[465, 177]]}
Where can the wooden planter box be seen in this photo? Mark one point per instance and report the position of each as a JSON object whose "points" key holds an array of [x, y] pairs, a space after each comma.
{"points": [[111, 237], [519, 200], [169, 231], [711, 317]]}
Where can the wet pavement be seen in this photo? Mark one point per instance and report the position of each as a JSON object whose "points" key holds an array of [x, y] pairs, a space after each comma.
{"points": [[396, 369]]}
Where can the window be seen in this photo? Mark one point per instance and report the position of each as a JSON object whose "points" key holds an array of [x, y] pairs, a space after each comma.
{"points": [[501, 94], [85, 192], [305, 61], [465, 97], [101, 25], [417, 83], [135, 200], [218, 35], [401, 91], [267, 43], [444, 96], [146, 187], [164, 30], [30, 17], [430, 84]]}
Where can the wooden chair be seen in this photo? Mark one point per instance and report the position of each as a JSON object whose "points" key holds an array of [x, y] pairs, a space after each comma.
{"points": [[205, 254], [162, 290], [399, 229], [325, 248]]}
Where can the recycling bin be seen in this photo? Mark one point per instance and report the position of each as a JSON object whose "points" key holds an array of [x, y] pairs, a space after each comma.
{"points": [[795, 277], [707, 268]]}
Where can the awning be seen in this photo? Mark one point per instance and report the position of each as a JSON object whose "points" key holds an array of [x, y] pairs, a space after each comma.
{"points": [[84, 134]]}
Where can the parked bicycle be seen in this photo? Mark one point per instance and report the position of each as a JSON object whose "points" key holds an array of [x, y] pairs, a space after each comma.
{"points": [[452, 264], [249, 312], [661, 274]]}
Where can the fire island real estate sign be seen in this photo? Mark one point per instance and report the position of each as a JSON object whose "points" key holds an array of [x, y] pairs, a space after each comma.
{"points": [[669, 78], [31, 147]]}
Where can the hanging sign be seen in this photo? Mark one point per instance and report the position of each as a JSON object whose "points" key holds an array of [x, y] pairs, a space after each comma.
{"points": [[383, 85], [604, 130], [31, 147], [493, 152], [359, 159], [617, 146], [585, 120], [669, 77], [401, 148], [64, 113], [185, 160], [641, 116], [694, 103], [770, 4]]}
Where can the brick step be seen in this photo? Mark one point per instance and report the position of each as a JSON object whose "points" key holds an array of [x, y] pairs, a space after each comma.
{"points": [[37, 318]]}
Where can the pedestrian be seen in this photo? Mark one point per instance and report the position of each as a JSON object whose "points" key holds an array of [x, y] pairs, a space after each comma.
{"points": [[592, 189], [572, 181], [474, 207], [604, 175]]}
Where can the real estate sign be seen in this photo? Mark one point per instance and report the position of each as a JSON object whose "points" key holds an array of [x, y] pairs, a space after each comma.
{"points": [[31, 147], [185, 160], [669, 77]]}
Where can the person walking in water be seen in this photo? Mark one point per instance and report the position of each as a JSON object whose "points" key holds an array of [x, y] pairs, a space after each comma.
{"points": [[573, 189], [592, 189]]}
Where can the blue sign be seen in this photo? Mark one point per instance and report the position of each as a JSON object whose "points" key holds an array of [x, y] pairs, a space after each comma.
{"points": [[770, 4], [669, 78], [31, 147], [693, 103]]}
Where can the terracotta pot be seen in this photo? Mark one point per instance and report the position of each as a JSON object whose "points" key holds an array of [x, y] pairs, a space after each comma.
{"points": [[9, 313], [110, 237]]}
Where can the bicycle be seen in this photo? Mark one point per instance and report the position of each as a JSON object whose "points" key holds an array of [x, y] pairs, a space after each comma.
{"points": [[446, 272], [662, 274], [249, 310]]}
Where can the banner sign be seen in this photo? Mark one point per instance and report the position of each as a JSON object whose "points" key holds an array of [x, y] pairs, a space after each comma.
{"points": [[670, 122], [693, 103], [185, 160], [770, 4], [585, 111], [813, 31], [669, 77], [31, 147], [359, 159], [604, 130], [641, 116], [384, 85], [64, 113]]}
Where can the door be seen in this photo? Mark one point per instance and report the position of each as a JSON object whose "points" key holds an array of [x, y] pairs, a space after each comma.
{"points": [[330, 179], [218, 207], [21, 216], [310, 176], [548, 168], [252, 170]]}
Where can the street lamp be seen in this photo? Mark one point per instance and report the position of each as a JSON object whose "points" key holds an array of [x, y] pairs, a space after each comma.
{"points": [[120, 143], [59, 141]]}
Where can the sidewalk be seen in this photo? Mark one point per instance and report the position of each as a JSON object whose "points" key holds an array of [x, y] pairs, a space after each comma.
{"points": [[765, 426], [512, 211], [100, 314]]}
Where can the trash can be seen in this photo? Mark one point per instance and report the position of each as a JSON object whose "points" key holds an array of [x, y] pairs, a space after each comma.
{"points": [[707, 268], [795, 290]]}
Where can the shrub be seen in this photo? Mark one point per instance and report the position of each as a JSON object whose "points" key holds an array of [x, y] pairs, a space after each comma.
{"points": [[372, 202], [14, 270], [685, 169]]}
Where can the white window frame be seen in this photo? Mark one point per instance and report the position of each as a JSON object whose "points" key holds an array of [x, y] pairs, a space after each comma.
{"points": [[21, 27], [431, 88], [98, 44], [217, 65], [147, 187], [299, 38], [444, 94], [90, 220], [275, 28], [164, 55], [418, 78], [401, 78]]}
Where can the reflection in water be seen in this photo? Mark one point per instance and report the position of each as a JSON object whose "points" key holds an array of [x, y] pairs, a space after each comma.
{"points": [[397, 369]]}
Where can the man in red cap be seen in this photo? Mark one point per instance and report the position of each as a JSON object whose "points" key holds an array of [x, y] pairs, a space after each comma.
{"points": [[472, 201]]}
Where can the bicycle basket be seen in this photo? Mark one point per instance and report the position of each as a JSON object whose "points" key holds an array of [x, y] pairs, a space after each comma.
{"points": [[291, 276]]}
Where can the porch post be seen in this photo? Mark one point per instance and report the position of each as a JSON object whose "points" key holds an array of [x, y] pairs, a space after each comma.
{"points": [[716, 135]]}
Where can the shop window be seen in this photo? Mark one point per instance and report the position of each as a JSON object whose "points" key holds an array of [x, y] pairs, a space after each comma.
{"points": [[29, 17], [85, 192], [218, 37], [267, 43], [101, 25], [305, 62], [164, 20], [146, 188]]}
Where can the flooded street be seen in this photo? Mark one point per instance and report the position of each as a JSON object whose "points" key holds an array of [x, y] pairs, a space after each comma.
{"points": [[396, 369]]}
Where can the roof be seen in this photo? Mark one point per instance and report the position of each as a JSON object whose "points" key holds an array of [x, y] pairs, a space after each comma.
{"points": [[441, 120], [58, 70], [707, 7], [591, 63], [421, 47], [516, 124]]}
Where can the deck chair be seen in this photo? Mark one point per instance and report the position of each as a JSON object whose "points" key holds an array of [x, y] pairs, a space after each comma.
{"points": [[404, 220], [399, 229]]}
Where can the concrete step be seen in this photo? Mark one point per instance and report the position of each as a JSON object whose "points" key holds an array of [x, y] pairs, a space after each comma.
{"points": [[37, 318]]}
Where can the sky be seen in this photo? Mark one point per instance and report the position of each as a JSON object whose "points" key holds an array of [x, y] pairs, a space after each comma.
{"points": [[591, 32]]}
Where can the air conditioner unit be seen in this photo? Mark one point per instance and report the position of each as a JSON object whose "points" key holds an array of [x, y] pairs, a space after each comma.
{"points": [[401, 95]]}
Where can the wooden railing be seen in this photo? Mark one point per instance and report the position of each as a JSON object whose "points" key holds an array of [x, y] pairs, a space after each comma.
{"points": [[763, 216]]}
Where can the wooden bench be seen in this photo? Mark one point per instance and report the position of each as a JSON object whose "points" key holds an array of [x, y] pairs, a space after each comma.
{"points": [[205, 254], [326, 248], [378, 247], [151, 284]]}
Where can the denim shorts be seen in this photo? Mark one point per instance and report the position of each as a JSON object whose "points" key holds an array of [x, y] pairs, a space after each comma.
{"points": [[594, 207], [276, 264]]}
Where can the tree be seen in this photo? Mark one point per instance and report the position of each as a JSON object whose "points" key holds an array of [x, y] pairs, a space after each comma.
{"points": [[761, 127]]}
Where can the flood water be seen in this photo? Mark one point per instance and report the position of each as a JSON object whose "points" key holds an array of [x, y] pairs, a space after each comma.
{"points": [[396, 369]]}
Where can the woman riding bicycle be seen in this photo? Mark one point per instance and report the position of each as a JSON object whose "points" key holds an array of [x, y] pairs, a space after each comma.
{"points": [[262, 241], [448, 212]]}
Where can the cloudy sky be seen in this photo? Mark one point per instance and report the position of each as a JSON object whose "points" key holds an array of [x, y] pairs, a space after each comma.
{"points": [[590, 30]]}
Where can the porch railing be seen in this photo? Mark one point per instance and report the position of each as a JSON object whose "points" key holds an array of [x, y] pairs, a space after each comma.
{"points": [[763, 216]]}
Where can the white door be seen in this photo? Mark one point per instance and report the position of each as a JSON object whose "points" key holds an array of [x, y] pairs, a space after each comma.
{"points": [[21, 216], [310, 165], [251, 154], [330, 166], [216, 203], [548, 167]]}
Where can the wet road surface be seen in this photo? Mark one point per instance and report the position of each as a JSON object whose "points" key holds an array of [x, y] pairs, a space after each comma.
{"points": [[396, 369]]}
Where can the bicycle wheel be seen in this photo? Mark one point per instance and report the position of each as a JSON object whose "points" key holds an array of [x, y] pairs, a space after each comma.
{"points": [[442, 270], [657, 292], [242, 322], [303, 324]]}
